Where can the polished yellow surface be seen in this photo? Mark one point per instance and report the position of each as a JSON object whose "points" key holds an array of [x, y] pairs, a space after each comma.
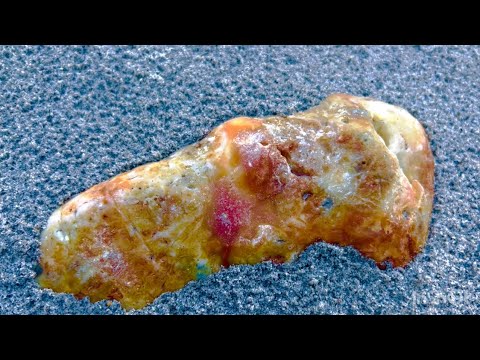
{"points": [[352, 171]]}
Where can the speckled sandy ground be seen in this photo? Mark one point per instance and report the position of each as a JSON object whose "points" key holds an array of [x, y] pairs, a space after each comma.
{"points": [[71, 117]]}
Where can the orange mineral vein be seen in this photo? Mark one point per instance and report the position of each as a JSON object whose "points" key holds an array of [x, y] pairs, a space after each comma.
{"points": [[351, 171]]}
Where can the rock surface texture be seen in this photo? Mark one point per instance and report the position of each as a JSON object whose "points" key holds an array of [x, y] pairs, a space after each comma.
{"points": [[351, 171]]}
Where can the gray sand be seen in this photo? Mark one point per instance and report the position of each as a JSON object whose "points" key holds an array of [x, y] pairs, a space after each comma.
{"points": [[71, 117]]}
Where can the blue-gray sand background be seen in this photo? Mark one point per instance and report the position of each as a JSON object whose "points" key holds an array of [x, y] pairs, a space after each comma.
{"points": [[71, 117]]}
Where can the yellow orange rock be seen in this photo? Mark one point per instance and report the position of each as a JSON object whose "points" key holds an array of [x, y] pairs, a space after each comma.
{"points": [[351, 171]]}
